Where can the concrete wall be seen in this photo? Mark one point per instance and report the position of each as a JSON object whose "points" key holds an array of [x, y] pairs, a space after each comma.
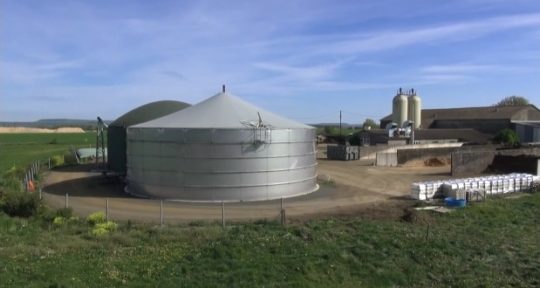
{"points": [[466, 163], [405, 155], [386, 159], [370, 152]]}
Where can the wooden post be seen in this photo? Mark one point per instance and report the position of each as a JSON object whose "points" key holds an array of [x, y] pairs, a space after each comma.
{"points": [[67, 201], [107, 209], [40, 197], [161, 213], [49, 162], [223, 214], [282, 214]]}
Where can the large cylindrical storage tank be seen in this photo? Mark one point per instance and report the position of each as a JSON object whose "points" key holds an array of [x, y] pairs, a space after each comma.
{"points": [[221, 150], [415, 110], [116, 132], [400, 109]]}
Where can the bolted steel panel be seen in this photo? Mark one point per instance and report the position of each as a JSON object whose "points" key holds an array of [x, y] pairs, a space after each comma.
{"points": [[221, 164]]}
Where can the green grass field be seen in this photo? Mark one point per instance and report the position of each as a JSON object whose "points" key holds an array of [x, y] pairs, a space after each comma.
{"points": [[493, 244], [21, 149]]}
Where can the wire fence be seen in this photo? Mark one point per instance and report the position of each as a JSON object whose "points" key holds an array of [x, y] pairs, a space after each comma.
{"points": [[167, 212], [127, 208]]}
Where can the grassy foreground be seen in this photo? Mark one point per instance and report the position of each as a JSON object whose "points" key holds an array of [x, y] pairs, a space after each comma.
{"points": [[21, 149], [493, 244]]}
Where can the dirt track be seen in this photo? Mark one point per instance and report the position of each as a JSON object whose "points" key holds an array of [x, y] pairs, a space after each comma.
{"points": [[357, 186]]}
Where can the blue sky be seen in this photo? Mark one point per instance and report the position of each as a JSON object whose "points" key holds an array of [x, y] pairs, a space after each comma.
{"points": [[303, 59]]}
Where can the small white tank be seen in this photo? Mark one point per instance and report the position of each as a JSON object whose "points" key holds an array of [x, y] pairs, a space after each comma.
{"points": [[415, 110], [400, 108]]}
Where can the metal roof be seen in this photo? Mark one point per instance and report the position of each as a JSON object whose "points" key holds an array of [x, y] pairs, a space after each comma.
{"points": [[223, 110], [526, 112], [148, 112]]}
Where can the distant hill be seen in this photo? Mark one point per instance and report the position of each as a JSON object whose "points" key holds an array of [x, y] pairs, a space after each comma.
{"points": [[55, 123]]}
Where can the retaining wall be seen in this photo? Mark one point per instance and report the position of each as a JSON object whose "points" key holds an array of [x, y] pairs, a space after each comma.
{"points": [[386, 159], [405, 155], [466, 163]]}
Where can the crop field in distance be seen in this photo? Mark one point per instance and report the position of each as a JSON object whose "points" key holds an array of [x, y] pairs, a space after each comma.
{"points": [[21, 149]]}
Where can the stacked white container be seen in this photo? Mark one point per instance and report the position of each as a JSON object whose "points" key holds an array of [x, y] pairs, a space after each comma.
{"points": [[491, 185]]}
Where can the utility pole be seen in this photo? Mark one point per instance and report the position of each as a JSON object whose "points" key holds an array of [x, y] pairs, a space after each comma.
{"points": [[339, 123]]}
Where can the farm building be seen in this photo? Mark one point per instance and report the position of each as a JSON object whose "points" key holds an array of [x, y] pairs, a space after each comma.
{"points": [[222, 149], [116, 133], [488, 120]]}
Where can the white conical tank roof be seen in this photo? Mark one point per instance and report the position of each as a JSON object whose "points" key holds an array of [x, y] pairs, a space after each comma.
{"points": [[223, 110]]}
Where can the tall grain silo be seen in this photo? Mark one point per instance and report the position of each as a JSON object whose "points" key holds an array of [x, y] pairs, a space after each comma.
{"points": [[116, 132], [222, 149], [400, 108], [415, 109]]}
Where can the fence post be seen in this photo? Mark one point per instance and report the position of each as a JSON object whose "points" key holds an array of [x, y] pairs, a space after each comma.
{"points": [[25, 183], [161, 213], [49, 163], [282, 213], [67, 201], [223, 214], [40, 197], [107, 209]]}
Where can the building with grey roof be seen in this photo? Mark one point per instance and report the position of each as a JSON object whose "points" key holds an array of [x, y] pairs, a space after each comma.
{"points": [[489, 119]]}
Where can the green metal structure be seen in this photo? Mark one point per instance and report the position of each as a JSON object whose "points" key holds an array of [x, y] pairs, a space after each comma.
{"points": [[116, 133]]}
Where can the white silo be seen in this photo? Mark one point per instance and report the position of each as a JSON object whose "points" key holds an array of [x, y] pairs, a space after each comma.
{"points": [[400, 108], [222, 149], [415, 109]]}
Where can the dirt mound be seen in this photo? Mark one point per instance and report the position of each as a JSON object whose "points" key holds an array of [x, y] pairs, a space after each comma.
{"points": [[40, 130], [429, 162], [437, 162]]}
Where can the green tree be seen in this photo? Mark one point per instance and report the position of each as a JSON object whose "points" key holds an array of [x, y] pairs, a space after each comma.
{"points": [[508, 137], [513, 101], [369, 123]]}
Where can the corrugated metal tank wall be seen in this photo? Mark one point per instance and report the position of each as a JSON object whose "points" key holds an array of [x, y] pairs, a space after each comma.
{"points": [[221, 164], [415, 110], [400, 109]]}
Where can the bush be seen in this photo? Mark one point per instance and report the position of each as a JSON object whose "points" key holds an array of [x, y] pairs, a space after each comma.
{"points": [[96, 218], [508, 137], [59, 220], [16, 203], [57, 160], [99, 231], [11, 183], [104, 228]]}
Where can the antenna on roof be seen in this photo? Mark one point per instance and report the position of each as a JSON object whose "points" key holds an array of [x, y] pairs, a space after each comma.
{"points": [[223, 88]]}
